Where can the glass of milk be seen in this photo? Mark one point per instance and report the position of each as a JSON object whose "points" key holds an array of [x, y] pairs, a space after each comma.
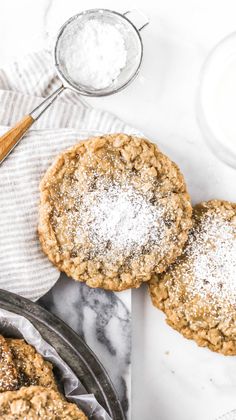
{"points": [[217, 100]]}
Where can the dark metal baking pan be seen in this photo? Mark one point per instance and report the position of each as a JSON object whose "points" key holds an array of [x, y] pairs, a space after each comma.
{"points": [[72, 349]]}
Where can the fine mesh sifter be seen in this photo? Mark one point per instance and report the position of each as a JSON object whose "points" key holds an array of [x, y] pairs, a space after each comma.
{"points": [[134, 48]]}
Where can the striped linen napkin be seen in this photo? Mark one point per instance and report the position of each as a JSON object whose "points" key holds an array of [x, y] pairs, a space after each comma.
{"points": [[23, 267]]}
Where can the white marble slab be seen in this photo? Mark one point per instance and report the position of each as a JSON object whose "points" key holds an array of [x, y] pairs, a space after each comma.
{"points": [[172, 377], [103, 320]]}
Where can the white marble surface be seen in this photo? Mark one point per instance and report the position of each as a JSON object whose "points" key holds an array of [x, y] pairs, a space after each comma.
{"points": [[172, 377]]}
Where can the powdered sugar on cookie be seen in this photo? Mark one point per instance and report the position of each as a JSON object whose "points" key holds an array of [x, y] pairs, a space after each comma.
{"points": [[113, 210], [212, 250], [198, 291], [118, 220]]}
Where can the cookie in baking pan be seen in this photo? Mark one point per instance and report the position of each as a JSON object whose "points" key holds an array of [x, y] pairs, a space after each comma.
{"points": [[31, 368], [8, 372], [36, 402], [21, 365], [198, 291], [113, 211]]}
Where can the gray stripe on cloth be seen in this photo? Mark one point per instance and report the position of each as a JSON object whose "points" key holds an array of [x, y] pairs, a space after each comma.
{"points": [[23, 85]]}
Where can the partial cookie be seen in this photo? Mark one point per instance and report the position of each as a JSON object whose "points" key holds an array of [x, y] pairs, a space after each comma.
{"points": [[35, 402], [31, 368], [113, 211], [198, 291], [8, 371]]}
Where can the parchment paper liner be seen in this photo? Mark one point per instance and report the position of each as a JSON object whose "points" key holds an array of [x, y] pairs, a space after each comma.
{"points": [[15, 325]]}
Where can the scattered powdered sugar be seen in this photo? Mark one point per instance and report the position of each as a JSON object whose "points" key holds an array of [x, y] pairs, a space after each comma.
{"points": [[117, 220], [93, 53], [212, 254], [121, 218]]}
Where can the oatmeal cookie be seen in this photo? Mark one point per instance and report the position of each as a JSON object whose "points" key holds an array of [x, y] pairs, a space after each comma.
{"points": [[8, 371], [113, 211], [31, 368], [36, 402], [198, 292]]}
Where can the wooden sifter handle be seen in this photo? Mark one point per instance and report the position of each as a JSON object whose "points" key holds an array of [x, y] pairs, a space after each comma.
{"points": [[10, 139]]}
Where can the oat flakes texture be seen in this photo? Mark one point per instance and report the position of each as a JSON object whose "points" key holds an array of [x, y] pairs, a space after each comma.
{"points": [[113, 211], [198, 292]]}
